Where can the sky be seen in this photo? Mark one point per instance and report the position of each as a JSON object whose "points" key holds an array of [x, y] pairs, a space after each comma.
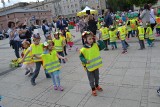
{"points": [[15, 1]]}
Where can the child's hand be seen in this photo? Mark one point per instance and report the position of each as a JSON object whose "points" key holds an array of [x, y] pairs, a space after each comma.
{"points": [[65, 59], [88, 62]]}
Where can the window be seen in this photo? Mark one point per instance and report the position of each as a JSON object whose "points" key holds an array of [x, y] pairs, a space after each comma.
{"points": [[76, 10], [68, 6], [76, 5], [71, 6], [24, 14], [72, 11], [46, 5], [8, 16]]}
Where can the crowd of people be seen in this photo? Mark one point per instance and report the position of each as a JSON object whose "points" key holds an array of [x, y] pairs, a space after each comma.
{"points": [[52, 52]]}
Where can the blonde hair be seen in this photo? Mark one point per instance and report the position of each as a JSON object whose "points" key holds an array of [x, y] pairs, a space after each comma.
{"points": [[90, 17]]}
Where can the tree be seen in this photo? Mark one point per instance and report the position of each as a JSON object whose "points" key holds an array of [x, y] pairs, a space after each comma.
{"points": [[141, 2], [119, 5]]}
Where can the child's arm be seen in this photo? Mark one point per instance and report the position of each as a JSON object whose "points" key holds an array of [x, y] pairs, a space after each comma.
{"points": [[25, 56], [37, 56], [82, 58], [61, 57], [101, 45]]}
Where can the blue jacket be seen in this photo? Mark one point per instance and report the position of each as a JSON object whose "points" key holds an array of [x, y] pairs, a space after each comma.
{"points": [[60, 26], [108, 20]]}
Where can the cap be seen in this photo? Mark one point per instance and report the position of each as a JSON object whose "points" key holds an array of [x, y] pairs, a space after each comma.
{"points": [[36, 36]]}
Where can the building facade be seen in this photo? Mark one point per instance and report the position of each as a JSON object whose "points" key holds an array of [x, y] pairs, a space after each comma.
{"points": [[24, 15]]}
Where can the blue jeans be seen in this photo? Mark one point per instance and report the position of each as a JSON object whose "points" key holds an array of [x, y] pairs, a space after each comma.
{"points": [[149, 41], [113, 44], [55, 77], [130, 33], [16, 46], [158, 30], [124, 46]]}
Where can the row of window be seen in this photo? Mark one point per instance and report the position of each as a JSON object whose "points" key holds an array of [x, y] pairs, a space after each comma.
{"points": [[29, 14]]}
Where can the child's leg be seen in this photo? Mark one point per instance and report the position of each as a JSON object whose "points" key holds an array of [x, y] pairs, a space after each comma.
{"points": [[36, 72], [59, 53], [96, 76], [27, 70], [106, 44], [65, 50], [115, 44], [54, 80], [91, 79], [143, 44]]}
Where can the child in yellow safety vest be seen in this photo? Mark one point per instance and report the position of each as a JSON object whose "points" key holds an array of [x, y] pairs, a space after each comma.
{"points": [[140, 33], [113, 37], [28, 61], [64, 41], [69, 38], [36, 49], [122, 35], [149, 35], [104, 35], [91, 60], [58, 45], [51, 63], [129, 29]]}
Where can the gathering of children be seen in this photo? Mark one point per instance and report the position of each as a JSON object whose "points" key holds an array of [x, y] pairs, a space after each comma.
{"points": [[52, 52]]}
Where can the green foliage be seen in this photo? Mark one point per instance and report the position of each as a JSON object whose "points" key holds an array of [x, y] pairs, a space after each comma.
{"points": [[142, 2]]}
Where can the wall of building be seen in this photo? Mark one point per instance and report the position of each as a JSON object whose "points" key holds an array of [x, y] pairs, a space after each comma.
{"points": [[24, 17]]}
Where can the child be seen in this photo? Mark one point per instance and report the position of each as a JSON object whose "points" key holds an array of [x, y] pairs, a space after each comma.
{"points": [[140, 33], [122, 35], [51, 63], [58, 45], [70, 39], [48, 36], [91, 60], [36, 49], [129, 29], [157, 25], [149, 35], [64, 41], [113, 37], [104, 35], [28, 61]]}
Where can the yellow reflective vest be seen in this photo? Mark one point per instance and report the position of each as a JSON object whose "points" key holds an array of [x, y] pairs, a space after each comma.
{"points": [[141, 32], [37, 50], [69, 37], [122, 32], [58, 44], [28, 59], [113, 36], [149, 33], [93, 56], [104, 31], [51, 61]]}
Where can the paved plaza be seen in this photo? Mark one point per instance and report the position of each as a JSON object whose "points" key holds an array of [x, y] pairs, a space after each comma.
{"points": [[128, 80]]}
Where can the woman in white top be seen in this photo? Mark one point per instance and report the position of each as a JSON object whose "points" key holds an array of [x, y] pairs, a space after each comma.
{"points": [[152, 17]]}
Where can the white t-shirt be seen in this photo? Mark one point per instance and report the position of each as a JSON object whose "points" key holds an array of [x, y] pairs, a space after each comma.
{"points": [[152, 16]]}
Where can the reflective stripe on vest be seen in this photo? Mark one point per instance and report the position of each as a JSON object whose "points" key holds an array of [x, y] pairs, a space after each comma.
{"points": [[58, 48], [53, 67], [91, 66], [141, 37]]}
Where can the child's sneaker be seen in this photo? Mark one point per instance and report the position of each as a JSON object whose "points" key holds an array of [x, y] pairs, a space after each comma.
{"points": [[94, 93], [123, 52], [61, 88], [99, 88], [55, 88], [28, 71]]}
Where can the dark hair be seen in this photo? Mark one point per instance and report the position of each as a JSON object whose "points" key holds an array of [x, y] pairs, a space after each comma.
{"points": [[128, 23], [43, 21], [146, 6], [10, 24]]}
